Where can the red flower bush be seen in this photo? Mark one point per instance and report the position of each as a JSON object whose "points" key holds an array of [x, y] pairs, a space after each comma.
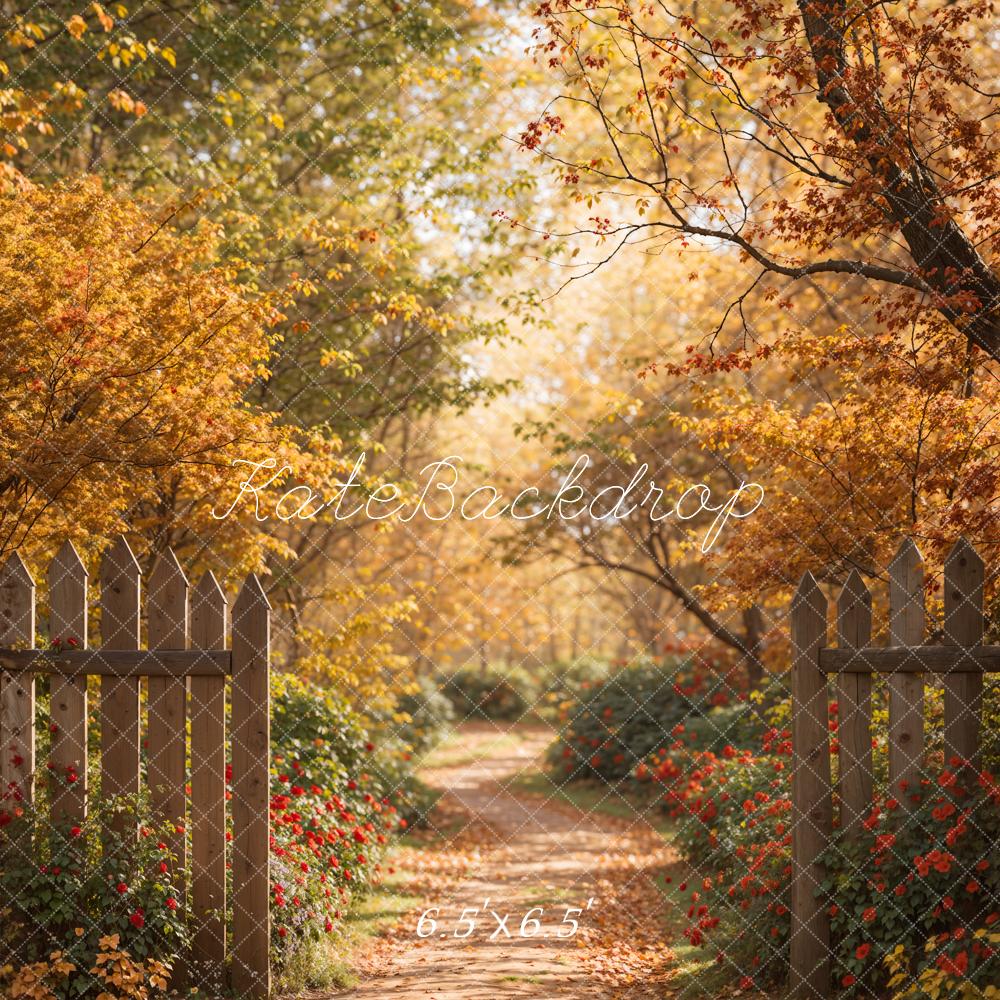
{"points": [[922, 866]]}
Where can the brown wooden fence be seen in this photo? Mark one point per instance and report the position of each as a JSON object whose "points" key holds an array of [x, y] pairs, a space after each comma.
{"points": [[186, 666], [960, 658]]}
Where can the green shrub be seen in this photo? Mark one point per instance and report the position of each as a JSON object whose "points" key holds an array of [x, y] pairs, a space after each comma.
{"points": [[422, 718], [568, 680], [615, 724], [506, 693]]}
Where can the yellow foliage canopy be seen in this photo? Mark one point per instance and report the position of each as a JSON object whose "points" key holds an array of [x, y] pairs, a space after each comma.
{"points": [[128, 349]]}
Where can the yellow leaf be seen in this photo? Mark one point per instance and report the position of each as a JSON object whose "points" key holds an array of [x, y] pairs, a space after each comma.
{"points": [[107, 21], [76, 26]]}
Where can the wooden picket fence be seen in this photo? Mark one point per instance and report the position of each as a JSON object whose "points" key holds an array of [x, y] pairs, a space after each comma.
{"points": [[960, 659], [186, 666]]}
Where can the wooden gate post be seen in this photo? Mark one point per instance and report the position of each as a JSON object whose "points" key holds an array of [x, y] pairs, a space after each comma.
{"points": [[809, 974], [251, 723]]}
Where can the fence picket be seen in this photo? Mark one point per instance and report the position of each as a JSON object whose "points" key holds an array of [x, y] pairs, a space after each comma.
{"points": [[208, 787], [17, 694], [854, 696], [251, 725], [68, 623], [120, 594], [166, 702], [963, 626], [906, 691], [811, 806]]}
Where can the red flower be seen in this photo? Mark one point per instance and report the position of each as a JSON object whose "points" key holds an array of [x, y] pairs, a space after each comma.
{"points": [[122, 888], [862, 951], [75, 831], [137, 920], [869, 915], [171, 903], [956, 966], [848, 980]]}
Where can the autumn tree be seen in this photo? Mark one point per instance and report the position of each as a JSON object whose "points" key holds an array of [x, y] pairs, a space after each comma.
{"points": [[341, 152], [848, 140], [128, 351]]}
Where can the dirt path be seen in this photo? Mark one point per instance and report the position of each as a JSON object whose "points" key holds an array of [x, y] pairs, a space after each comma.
{"points": [[518, 852]]}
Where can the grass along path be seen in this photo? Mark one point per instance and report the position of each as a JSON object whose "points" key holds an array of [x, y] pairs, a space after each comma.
{"points": [[501, 842]]}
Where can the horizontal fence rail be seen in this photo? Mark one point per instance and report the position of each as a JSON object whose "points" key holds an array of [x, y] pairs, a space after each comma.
{"points": [[120, 662], [187, 673]]}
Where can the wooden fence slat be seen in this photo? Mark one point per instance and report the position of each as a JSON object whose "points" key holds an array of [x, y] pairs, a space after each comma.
{"points": [[906, 691], [251, 731], [963, 626], [68, 622], [120, 588], [166, 703], [17, 693], [811, 805], [854, 697], [208, 789]]}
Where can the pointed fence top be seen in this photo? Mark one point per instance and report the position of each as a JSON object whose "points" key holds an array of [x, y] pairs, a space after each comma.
{"points": [[807, 588], [855, 588], [166, 570], [907, 555], [119, 560], [250, 595], [962, 554], [207, 590], [15, 570], [67, 563]]}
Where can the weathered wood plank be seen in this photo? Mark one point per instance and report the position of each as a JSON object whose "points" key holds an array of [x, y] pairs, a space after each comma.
{"points": [[17, 692], [854, 698], [208, 790], [166, 703], [916, 659], [963, 627], [120, 662], [250, 716], [906, 691], [120, 587], [68, 580], [811, 804]]}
